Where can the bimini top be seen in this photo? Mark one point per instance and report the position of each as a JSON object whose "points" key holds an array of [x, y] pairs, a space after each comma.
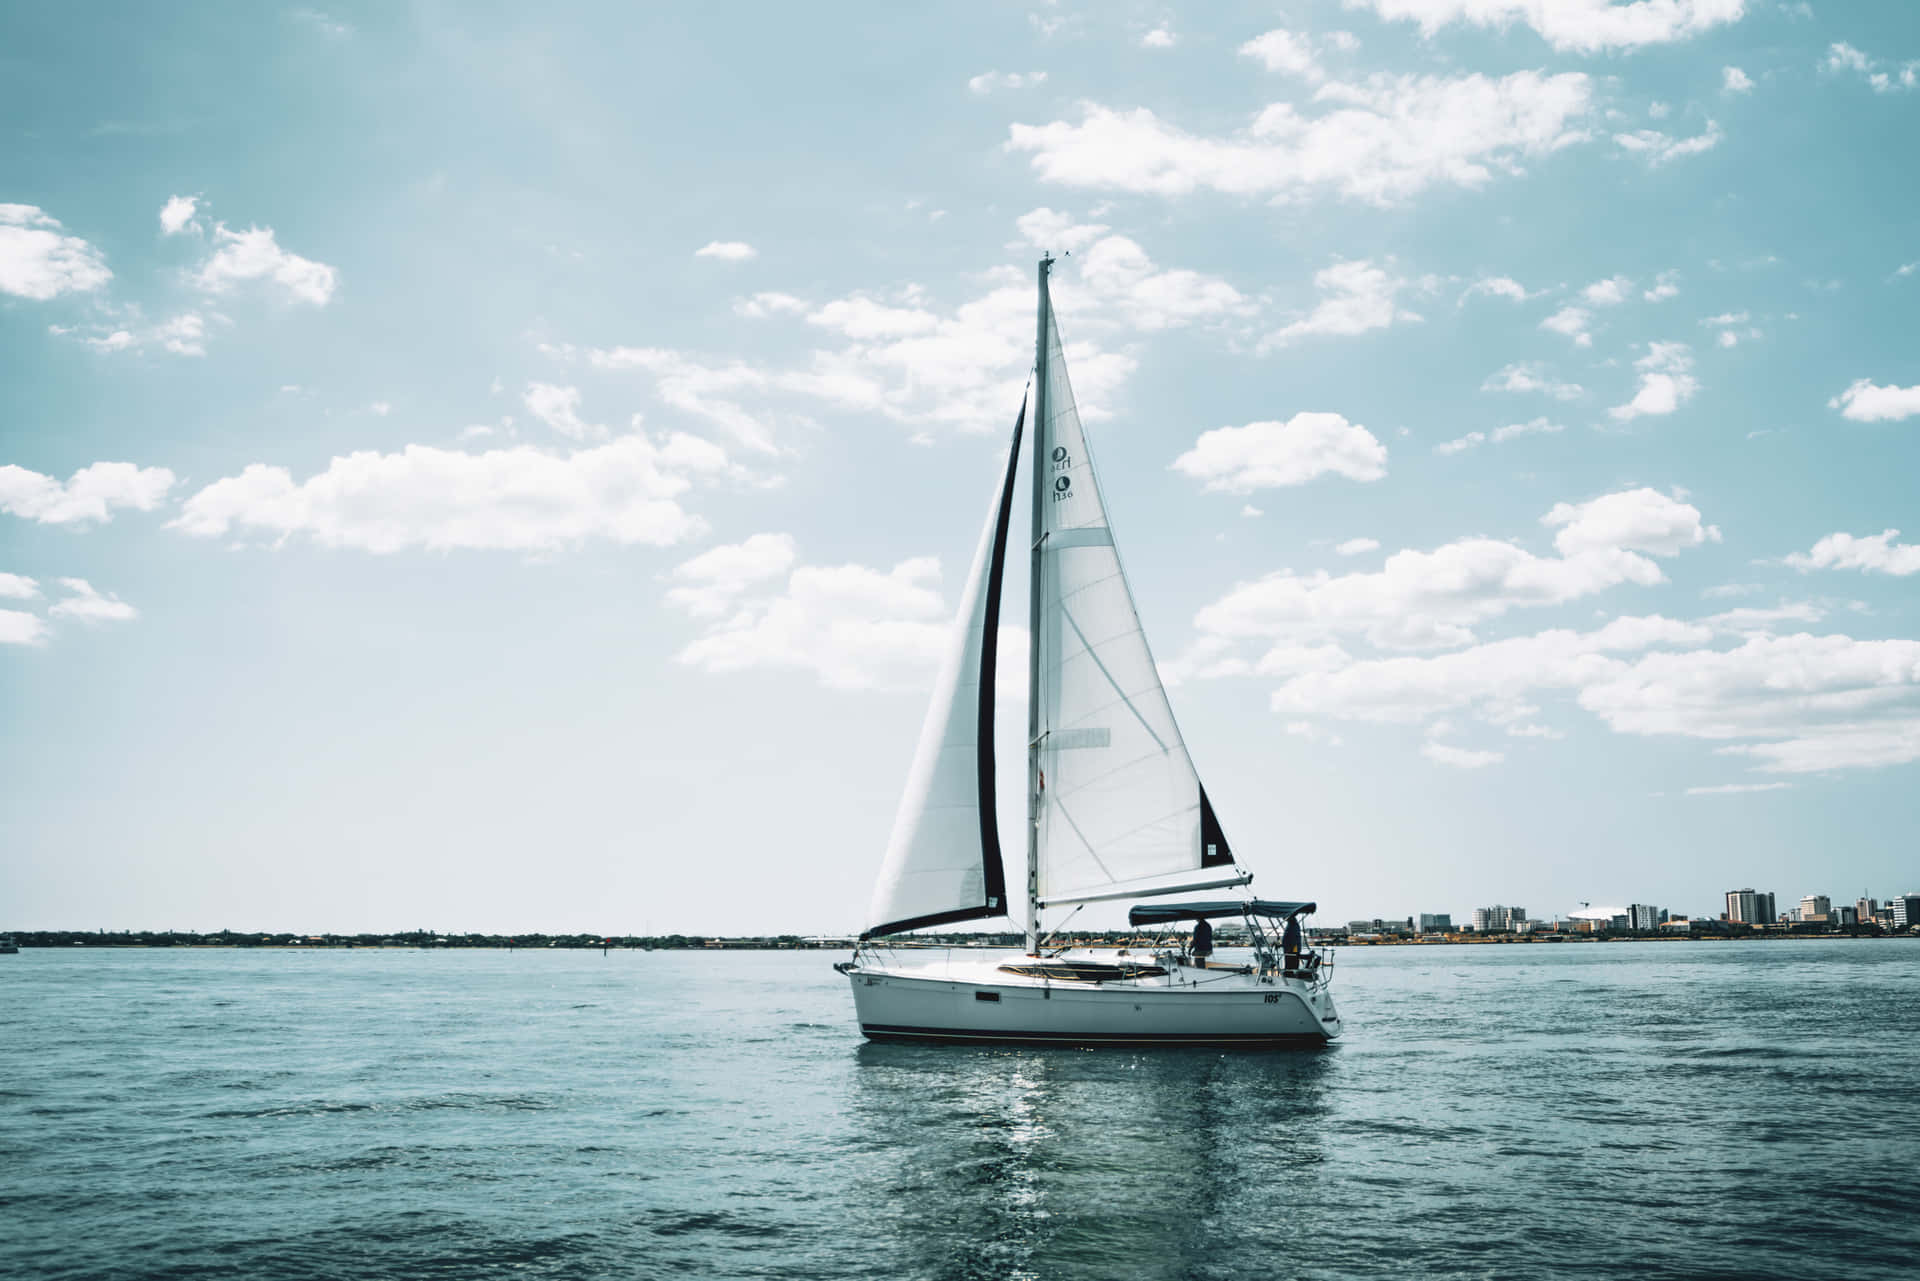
{"points": [[1164, 913]]}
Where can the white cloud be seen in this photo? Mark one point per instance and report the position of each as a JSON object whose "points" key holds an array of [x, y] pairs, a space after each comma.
{"points": [[726, 250], [1660, 148], [1642, 520], [1161, 37], [1843, 57], [17, 627], [90, 494], [1499, 435], [1864, 402], [1492, 680], [1050, 229], [851, 626], [1424, 599], [1497, 287], [1666, 382], [701, 390], [763, 305], [37, 261], [177, 214], [513, 499], [864, 319], [1572, 322], [1272, 455], [1666, 285], [1736, 789], [559, 409], [1355, 546], [1460, 757], [1610, 292], [1355, 297], [1285, 51], [1734, 80], [1380, 140], [988, 81], [85, 604], [18, 587], [184, 335], [712, 582], [1877, 553], [255, 254], [1531, 377], [1578, 26], [380, 409]]}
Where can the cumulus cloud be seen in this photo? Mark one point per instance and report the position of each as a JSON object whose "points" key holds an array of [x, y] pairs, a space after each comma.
{"points": [[84, 603], [18, 587], [1161, 37], [1355, 297], [762, 305], [90, 494], [1733, 80], [1875, 554], [1642, 520], [39, 261], [1864, 402], [1355, 546], [1610, 292], [726, 250], [177, 214], [183, 335], [17, 627], [1571, 26], [1660, 148], [518, 499], [559, 409], [1843, 57], [1273, 455], [1571, 322], [1531, 377], [1460, 757], [851, 626], [1294, 53], [1666, 285], [1666, 382], [1380, 140], [988, 81], [712, 582], [255, 255]]}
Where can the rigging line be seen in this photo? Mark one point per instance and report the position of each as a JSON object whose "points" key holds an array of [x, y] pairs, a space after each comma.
{"points": [[1068, 615], [1091, 853]]}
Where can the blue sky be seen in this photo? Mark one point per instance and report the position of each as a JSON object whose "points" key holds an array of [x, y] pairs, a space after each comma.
{"points": [[484, 468]]}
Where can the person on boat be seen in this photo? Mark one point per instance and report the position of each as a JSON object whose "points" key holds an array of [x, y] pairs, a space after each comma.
{"points": [[1202, 942], [1290, 942]]}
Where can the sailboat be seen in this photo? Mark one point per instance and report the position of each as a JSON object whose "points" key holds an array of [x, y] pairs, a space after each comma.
{"points": [[1115, 810]]}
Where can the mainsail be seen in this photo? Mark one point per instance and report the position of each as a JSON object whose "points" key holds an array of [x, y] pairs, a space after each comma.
{"points": [[1117, 801], [943, 859]]}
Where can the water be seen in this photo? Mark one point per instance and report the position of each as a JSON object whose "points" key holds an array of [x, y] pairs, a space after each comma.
{"points": [[1682, 1110]]}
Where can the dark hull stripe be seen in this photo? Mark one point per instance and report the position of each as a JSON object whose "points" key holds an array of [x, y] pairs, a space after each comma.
{"points": [[895, 1032]]}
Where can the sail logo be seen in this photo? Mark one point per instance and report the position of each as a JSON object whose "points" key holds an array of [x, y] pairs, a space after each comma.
{"points": [[1061, 486]]}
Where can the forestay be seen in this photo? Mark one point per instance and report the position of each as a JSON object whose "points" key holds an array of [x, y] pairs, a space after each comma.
{"points": [[943, 858], [1118, 800]]}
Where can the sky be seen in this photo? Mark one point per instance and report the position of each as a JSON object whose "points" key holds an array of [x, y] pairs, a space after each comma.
{"points": [[488, 468]]}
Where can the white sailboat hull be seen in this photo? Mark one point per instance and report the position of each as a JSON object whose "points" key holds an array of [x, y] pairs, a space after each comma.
{"points": [[970, 999]]}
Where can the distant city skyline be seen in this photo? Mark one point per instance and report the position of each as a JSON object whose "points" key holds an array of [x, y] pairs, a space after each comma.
{"points": [[515, 467]]}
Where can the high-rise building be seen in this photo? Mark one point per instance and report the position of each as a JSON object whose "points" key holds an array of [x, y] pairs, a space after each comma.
{"points": [[1644, 916], [1432, 921], [1744, 906], [1763, 904], [1815, 907], [1498, 920], [1845, 914], [1906, 910], [1865, 909]]}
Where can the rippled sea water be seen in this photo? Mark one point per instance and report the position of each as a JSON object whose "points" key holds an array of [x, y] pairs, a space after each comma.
{"points": [[1648, 1110]]}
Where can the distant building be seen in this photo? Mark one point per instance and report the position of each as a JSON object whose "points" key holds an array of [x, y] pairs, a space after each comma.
{"points": [[1498, 920], [1845, 915], [1750, 907], [1864, 910], [1905, 910], [1815, 907], [1432, 921], [1644, 916]]}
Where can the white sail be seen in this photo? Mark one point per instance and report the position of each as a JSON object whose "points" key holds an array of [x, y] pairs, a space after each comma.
{"points": [[1119, 802], [943, 858]]}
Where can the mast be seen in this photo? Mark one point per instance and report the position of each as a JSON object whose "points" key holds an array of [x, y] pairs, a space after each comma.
{"points": [[1041, 434]]}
